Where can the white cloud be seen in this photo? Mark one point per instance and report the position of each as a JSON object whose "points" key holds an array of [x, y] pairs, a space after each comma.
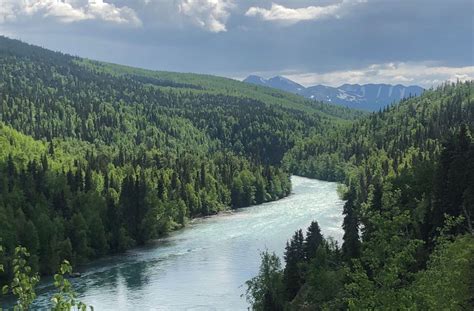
{"points": [[211, 15], [7, 11], [68, 11], [280, 13], [111, 13], [424, 74], [285, 15]]}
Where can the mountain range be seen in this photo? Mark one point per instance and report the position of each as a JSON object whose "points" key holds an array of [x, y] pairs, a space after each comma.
{"points": [[370, 97]]}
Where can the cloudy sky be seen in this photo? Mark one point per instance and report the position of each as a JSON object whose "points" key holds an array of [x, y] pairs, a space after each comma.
{"points": [[328, 42]]}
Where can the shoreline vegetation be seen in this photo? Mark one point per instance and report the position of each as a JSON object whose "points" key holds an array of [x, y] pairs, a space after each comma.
{"points": [[66, 298], [89, 173], [96, 158], [408, 240]]}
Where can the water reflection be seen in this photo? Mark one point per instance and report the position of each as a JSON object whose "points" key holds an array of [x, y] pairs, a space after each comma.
{"points": [[204, 266]]}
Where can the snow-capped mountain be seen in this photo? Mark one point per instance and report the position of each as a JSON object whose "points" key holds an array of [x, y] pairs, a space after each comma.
{"points": [[277, 82], [370, 97]]}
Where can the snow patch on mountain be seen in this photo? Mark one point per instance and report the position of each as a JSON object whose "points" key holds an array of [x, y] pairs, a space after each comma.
{"points": [[367, 97]]}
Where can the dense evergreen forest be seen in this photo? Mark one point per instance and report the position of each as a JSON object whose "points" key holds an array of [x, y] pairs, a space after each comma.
{"points": [[96, 158], [408, 237]]}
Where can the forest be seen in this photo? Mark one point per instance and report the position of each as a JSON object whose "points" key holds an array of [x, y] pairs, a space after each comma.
{"points": [[408, 238], [97, 158]]}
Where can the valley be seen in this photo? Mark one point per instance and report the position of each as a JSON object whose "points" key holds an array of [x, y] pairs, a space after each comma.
{"points": [[124, 173]]}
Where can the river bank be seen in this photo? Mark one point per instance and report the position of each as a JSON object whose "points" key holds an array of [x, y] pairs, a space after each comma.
{"points": [[205, 265]]}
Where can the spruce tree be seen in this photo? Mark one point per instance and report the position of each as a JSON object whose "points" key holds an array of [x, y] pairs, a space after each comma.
{"points": [[294, 256], [313, 240], [351, 243]]}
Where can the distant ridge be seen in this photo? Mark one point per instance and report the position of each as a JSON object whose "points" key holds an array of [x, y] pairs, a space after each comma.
{"points": [[370, 97]]}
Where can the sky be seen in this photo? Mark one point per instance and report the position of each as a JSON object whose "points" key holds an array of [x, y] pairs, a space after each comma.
{"points": [[331, 42]]}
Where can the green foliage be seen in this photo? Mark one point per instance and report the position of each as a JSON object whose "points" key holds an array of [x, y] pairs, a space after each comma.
{"points": [[24, 280], [447, 283], [265, 292], [393, 139], [294, 257], [313, 240], [76, 211], [96, 158], [380, 276], [351, 244], [453, 191], [312, 278], [325, 276], [199, 83], [1, 253], [65, 299], [408, 211]]}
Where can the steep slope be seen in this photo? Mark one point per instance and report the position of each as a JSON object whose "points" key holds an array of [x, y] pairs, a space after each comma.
{"points": [[285, 84], [370, 97], [278, 82], [420, 123], [118, 95], [96, 158], [408, 225], [253, 79]]}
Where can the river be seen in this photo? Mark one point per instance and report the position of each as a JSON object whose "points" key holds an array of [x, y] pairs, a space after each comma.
{"points": [[205, 265]]}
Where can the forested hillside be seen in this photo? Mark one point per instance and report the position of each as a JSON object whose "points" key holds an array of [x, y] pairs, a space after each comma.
{"points": [[408, 241], [96, 158], [394, 135]]}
